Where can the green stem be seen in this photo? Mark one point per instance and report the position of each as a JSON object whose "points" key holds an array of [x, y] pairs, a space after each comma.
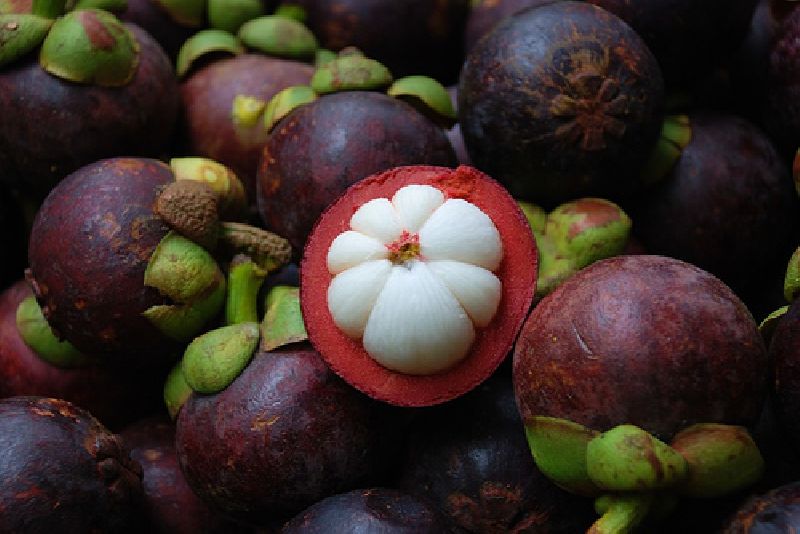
{"points": [[621, 513], [244, 282], [50, 9]]}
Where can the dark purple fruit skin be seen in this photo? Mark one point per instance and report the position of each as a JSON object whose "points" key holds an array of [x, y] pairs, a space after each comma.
{"points": [[728, 206], [644, 340], [170, 504], [471, 459], [208, 96], [784, 351], [51, 127], [90, 245], [284, 435], [687, 37], [155, 20], [485, 16], [319, 150], [560, 102], [373, 511], [62, 471], [776, 511], [409, 37], [114, 398], [782, 110]]}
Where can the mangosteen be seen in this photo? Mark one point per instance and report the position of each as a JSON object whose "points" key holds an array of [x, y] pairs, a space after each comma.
{"points": [[374, 510], [561, 101], [781, 114], [416, 300], [410, 37], [99, 89], [777, 510], [170, 504], [168, 25], [484, 16], [113, 397], [728, 205], [785, 353], [62, 471], [470, 458], [117, 257]]}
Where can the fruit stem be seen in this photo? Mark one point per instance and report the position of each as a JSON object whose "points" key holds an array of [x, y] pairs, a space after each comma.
{"points": [[269, 251], [50, 9], [244, 282], [621, 513]]}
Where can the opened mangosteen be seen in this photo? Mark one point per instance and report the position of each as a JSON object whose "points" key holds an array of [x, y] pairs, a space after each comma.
{"points": [[34, 362], [370, 510], [415, 282], [119, 254], [559, 102], [78, 87], [62, 471]]}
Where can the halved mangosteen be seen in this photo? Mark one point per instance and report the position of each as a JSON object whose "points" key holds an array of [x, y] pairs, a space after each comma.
{"points": [[415, 282]]}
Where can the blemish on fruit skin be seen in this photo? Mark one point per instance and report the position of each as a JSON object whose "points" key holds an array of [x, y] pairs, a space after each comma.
{"points": [[95, 30], [593, 213]]}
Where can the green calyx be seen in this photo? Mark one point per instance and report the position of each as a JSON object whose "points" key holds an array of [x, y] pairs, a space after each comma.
{"points": [[350, 73], [323, 56], [190, 209], [37, 334], [291, 11], [206, 42], [214, 360], [228, 188], [229, 15], [559, 450], [189, 13], [283, 321], [185, 273], [627, 458], [21, 34], [770, 323], [722, 459], [247, 110], [676, 133], [621, 513], [428, 96], [176, 391], [269, 251], [791, 283], [285, 102], [244, 282], [279, 36], [114, 6], [90, 46]]}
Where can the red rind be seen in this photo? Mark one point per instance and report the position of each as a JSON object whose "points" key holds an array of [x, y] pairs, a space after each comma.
{"points": [[517, 273]]}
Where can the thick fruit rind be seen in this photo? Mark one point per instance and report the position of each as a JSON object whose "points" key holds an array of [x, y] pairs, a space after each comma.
{"points": [[517, 272]]}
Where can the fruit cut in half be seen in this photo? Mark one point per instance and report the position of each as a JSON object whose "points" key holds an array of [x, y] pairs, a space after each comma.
{"points": [[415, 282]]}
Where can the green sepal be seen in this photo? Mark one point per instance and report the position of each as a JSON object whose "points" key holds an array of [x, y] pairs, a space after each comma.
{"points": [[90, 46], [189, 13], [559, 450], [244, 282], [35, 331], [114, 6], [628, 458], [206, 42], [186, 273], [21, 34], [247, 110], [291, 11], [229, 15], [176, 391], [214, 360], [791, 282], [723, 459], [350, 73], [283, 321], [676, 134], [621, 513], [323, 56], [285, 102], [51, 9], [428, 96], [279, 36], [536, 215], [770, 323]]}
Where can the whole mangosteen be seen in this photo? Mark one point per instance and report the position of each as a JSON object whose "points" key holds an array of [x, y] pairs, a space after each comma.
{"points": [[62, 471], [484, 16], [784, 351], [561, 101], [777, 510]]}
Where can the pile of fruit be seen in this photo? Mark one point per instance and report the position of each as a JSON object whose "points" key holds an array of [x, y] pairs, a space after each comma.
{"points": [[399, 266]]}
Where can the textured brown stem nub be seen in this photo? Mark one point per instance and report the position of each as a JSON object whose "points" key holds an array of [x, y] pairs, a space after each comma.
{"points": [[269, 251], [191, 209]]}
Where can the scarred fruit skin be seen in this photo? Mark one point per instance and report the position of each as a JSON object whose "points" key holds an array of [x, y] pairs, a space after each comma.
{"points": [[559, 102], [99, 224], [517, 273], [775, 511], [378, 510], [642, 340], [208, 96], [321, 149], [51, 127], [114, 398], [285, 434], [62, 471]]}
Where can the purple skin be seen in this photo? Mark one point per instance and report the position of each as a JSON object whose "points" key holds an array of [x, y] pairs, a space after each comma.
{"points": [[781, 114], [369, 511], [51, 127], [170, 504], [285, 434], [319, 150], [62, 471], [155, 20], [774, 512], [643, 340], [491, 484], [90, 245], [485, 16], [728, 206], [784, 351], [454, 133]]}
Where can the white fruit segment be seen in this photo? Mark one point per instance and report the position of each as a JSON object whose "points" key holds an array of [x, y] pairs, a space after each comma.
{"points": [[412, 279]]}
